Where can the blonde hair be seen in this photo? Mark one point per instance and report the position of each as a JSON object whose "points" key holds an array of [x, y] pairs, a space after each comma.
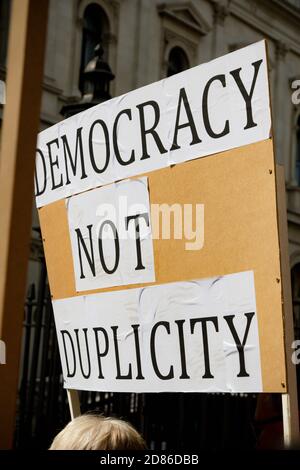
{"points": [[95, 432]]}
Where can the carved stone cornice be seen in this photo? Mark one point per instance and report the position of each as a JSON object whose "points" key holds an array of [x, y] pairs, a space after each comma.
{"points": [[171, 36], [221, 11], [185, 15]]}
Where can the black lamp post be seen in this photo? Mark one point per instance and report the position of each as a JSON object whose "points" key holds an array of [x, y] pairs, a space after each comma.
{"points": [[97, 76]]}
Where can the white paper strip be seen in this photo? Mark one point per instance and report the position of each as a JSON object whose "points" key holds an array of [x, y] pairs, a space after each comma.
{"points": [[194, 336], [110, 230], [207, 109]]}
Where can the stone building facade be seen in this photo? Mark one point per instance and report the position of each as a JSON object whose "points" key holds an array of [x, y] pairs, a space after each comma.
{"points": [[146, 40]]}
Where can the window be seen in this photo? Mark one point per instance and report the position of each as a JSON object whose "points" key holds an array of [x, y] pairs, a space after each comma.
{"points": [[95, 31], [297, 153], [177, 61]]}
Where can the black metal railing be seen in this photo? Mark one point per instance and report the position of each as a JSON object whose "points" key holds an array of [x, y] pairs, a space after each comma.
{"points": [[42, 402]]}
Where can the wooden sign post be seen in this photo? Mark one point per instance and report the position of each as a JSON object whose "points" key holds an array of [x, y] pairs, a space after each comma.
{"points": [[27, 36]]}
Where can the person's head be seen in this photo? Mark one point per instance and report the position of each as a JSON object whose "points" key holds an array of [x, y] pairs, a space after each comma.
{"points": [[95, 432]]}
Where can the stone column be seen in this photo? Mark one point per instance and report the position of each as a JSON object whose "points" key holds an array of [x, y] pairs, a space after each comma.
{"points": [[281, 102], [221, 11]]}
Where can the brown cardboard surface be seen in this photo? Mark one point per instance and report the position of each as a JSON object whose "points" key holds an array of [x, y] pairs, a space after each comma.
{"points": [[238, 191]]}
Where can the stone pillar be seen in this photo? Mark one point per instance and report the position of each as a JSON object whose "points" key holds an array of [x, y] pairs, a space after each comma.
{"points": [[281, 102], [221, 11]]}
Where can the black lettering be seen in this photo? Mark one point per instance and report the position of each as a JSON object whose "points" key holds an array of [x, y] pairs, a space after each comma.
{"points": [[53, 163], [68, 155], [138, 352], [119, 375], [247, 96], [91, 148], [190, 123], [211, 133], [204, 321], [240, 345], [63, 333], [170, 375], [136, 217], [117, 247], [101, 354], [38, 190], [115, 139], [151, 131], [89, 256], [184, 374], [85, 375]]}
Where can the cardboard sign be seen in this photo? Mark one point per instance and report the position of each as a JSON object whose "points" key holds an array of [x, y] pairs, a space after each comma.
{"points": [[199, 335], [191, 306], [208, 109], [111, 235]]}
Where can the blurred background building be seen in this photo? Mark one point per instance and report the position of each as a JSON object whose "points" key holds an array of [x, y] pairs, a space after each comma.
{"points": [[146, 40]]}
